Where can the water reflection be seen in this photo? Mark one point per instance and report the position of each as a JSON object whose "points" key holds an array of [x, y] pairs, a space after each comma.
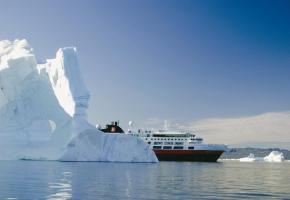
{"points": [[62, 189], [164, 180], [129, 185]]}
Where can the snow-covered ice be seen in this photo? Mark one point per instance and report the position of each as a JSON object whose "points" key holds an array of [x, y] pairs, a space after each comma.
{"points": [[43, 111], [274, 156], [88, 146], [249, 158]]}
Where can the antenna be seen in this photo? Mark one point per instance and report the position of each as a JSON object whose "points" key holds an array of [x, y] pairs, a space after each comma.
{"points": [[130, 125]]}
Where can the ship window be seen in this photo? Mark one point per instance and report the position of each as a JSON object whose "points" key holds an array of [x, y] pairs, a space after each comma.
{"points": [[157, 143], [178, 147], [145, 138], [168, 143], [190, 147], [167, 147], [179, 143], [156, 147], [149, 142]]}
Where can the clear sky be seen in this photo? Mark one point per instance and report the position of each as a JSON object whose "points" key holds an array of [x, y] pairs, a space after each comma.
{"points": [[174, 59]]}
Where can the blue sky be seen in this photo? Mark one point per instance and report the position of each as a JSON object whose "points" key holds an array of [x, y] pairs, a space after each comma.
{"points": [[175, 60]]}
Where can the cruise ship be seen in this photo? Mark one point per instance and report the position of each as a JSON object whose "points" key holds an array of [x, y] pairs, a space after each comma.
{"points": [[174, 145]]}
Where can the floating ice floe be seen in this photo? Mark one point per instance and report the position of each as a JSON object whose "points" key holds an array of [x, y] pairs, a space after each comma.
{"points": [[43, 112], [274, 156]]}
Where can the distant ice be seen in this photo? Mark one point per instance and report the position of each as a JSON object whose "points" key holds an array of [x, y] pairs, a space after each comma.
{"points": [[274, 156], [43, 111], [249, 158]]}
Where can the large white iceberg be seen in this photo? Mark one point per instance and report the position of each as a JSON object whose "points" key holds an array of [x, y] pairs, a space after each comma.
{"points": [[274, 156], [43, 111]]}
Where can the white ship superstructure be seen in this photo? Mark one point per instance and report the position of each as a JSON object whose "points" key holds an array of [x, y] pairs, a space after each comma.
{"points": [[175, 140]]}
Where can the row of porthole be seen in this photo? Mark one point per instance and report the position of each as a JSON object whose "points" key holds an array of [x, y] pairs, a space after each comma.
{"points": [[168, 143], [164, 139], [174, 147]]}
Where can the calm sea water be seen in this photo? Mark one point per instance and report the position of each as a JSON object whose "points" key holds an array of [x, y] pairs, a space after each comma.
{"points": [[164, 180]]}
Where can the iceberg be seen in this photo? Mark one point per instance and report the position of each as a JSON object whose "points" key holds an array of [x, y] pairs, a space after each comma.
{"points": [[43, 110], [274, 156], [249, 158]]}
